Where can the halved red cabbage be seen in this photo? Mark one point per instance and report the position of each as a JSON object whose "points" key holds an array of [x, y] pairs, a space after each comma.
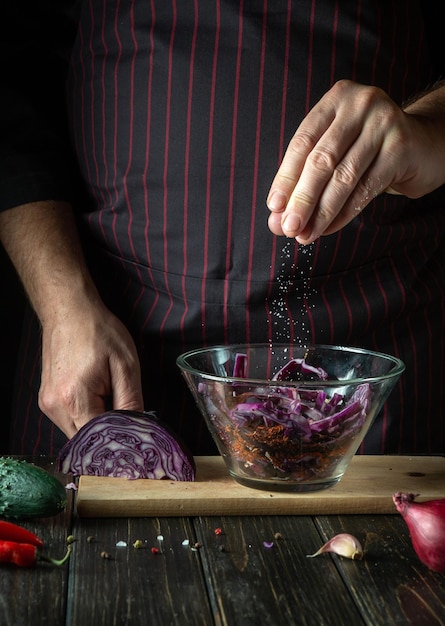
{"points": [[127, 444]]}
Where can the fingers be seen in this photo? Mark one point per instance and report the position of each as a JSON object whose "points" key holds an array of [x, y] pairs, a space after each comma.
{"points": [[327, 184], [81, 377], [69, 401], [334, 165], [301, 146], [70, 405], [126, 383]]}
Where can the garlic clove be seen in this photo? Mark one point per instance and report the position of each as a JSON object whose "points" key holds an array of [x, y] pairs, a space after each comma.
{"points": [[343, 544]]}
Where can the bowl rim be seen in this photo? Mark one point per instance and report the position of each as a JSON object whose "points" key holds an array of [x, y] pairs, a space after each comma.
{"points": [[396, 372]]}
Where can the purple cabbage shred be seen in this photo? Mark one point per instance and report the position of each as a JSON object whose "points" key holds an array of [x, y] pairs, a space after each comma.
{"points": [[282, 431]]}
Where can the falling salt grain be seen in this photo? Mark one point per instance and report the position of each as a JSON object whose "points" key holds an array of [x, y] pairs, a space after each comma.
{"points": [[121, 544], [186, 542], [160, 538], [293, 280]]}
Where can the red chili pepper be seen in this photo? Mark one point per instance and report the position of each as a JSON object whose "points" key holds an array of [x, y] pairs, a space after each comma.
{"points": [[25, 554], [21, 554], [13, 532]]}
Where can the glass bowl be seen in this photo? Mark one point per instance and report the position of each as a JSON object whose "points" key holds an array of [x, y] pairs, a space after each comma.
{"points": [[287, 417]]}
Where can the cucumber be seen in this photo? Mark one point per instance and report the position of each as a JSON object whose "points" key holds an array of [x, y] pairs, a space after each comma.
{"points": [[27, 490]]}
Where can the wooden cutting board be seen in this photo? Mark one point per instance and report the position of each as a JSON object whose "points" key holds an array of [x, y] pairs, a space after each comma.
{"points": [[366, 487]]}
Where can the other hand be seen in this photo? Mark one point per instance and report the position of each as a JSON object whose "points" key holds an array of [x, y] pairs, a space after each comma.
{"points": [[352, 146], [88, 360]]}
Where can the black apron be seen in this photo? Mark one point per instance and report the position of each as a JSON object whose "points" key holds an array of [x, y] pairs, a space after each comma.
{"points": [[180, 113]]}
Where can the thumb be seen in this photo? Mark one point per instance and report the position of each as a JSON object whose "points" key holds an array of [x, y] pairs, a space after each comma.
{"points": [[126, 390]]}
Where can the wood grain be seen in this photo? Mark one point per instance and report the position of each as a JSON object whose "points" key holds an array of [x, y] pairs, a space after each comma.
{"points": [[135, 586], [409, 596], [261, 577], [366, 487]]}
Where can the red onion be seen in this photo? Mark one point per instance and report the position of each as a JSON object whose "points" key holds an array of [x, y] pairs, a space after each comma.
{"points": [[127, 444], [426, 524]]}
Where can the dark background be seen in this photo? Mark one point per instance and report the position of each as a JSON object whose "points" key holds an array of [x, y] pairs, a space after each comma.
{"points": [[11, 316]]}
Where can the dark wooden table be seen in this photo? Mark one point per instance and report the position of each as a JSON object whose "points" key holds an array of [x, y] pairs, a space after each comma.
{"points": [[231, 578]]}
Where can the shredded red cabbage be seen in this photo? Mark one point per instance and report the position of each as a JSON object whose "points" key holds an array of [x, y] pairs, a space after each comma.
{"points": [[283, 431], [127, 444]]}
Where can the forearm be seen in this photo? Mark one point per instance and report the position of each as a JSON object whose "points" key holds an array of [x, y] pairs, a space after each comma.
{"points": [[428, 110], [430, 102], [42, 243]]}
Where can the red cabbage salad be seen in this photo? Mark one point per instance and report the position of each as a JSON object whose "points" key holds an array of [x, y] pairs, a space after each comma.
{"points": [[285, 431]]}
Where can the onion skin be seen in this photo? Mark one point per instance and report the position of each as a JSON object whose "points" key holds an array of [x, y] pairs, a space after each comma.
{"points": [[127, 444], [426, 524]]}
